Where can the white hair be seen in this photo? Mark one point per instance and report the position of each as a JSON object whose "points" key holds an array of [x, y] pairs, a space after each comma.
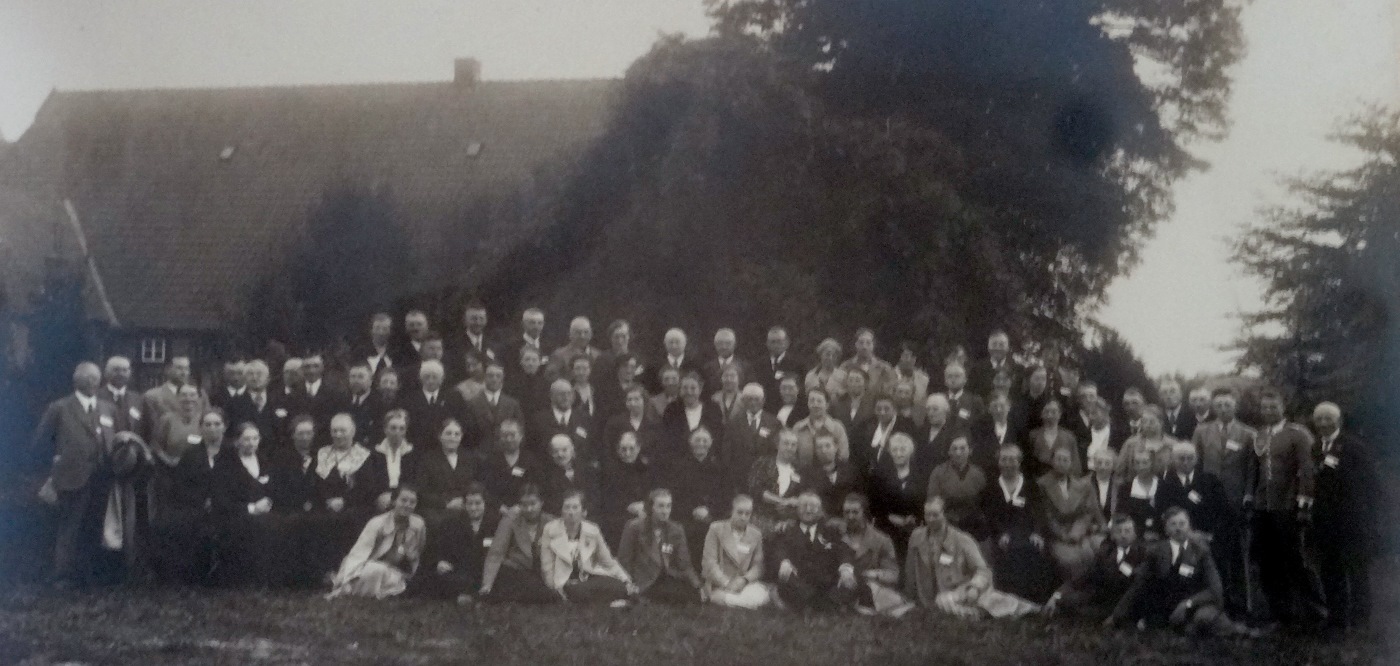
{"points": [[117, 360], [725, 333], [753, 389], [430, 366], [937, 399], [676, 333], [1328, 408]]}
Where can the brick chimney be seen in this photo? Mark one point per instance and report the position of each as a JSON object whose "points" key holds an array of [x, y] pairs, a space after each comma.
{"points": [[466, 72]]}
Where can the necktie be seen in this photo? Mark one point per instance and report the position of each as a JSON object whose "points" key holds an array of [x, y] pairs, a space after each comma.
{"points": [[753, 421], [491, 399], [260, 400], [812, 534]]}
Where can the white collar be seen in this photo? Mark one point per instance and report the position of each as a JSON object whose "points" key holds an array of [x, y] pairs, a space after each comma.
{"points": [[562, 414], [313, 387], [492, 396], [116, 392], [87, 401], [1142, 490], [1009, 492], [430, 395], [533, 342]]}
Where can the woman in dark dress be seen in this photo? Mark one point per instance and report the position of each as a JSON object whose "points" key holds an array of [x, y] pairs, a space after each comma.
{"points": [[1011, 510], [253, 536], [626, 480], [775, 482], [187, 527], [897, 493], [352, 486]]}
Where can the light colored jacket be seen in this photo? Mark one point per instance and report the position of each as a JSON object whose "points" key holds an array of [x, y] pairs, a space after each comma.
{"points": [[556, 557], [376, 540], [936, 565], [730, 554]]}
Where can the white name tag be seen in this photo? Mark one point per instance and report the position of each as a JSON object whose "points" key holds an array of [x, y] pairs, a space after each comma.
{"points": [[1147, 523], [964, 413], [764, 432], [281, 413], [263, 479], [486, 542], [1187, 570], [1194, 496], [134, 413], [105, 420], [945, 559], [581, 432], [1018, 502], [666, 548], [1232, 445], [796, 478], [1331, 461], [194, 439], [1125, 568], [517, 472], [743, 548]]}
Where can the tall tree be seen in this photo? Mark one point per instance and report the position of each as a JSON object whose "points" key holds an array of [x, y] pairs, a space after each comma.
{"points": [[351, 260], [942, 167], [1330, 260]]}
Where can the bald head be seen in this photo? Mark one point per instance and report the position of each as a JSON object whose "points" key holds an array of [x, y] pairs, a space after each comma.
{"points": [[86, 377]]}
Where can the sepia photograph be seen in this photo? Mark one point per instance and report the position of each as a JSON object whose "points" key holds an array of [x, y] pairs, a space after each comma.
{"points": [[780, 332]]}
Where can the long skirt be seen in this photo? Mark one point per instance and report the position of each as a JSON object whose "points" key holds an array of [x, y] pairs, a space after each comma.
{"points": [[373, 579], [595, 590], [1022, 569], [521, 586], [254, 551]]}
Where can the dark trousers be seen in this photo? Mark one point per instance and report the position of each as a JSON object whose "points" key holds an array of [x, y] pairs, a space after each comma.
{"points": [[1346, 581], [672, 590], [595, 590], [520, 586], [798, 593], [1227, 547], [78, 531], [1286, 581]]}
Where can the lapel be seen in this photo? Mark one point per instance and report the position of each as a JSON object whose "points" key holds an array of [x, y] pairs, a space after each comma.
{"points": [[730, 540], [858, 543]]}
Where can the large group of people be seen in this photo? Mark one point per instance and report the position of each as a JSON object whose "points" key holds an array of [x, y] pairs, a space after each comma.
{"points": [[497, 470]]}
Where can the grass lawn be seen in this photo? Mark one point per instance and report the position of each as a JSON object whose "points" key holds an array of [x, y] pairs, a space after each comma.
{"points": [[168, 626]]}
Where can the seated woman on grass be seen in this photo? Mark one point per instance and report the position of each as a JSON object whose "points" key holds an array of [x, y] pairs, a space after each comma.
{"points": [[386, 554], [576, 562]]}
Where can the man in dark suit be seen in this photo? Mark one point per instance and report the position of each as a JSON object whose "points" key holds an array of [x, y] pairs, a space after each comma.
{"points": [[792, 408], [1178, 421], [940, 428], [686, 414], [117, 390], [410, 352], [159, 401], [430, 405], [608, 377], [490, 407], [676, 357], [430, 349], [1096, 592], [263, 408], [561, 361], [1177, 585], [1200, 493], [871, 438], [561, 417], [778, 363], [565, 473], [1344, 518], [858, 404], [475, 338], [1226, 448], [998, 358], [455, 555], [749, 436], [76, 433], [815, 566], [233, 385], [991, 432], [362, 405], [725, 343], [318, 400], [1283, 497], [506, 469], [377, 353], [964, 404], [1103, 430], [531, 328], [1129, 420]]}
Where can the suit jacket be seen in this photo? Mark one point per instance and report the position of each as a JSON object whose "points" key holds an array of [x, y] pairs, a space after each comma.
{"points": [[559, 361], [544, 427], [360, 488], [324, 405], [1180, 426], [730, 553], [864, 456], [768, 372], [556, 483], [425, 420], [1072, 515], [833, 491], [807, 439], [648, 435], [675, 430], [220, 396], [880, 373], [129, 416], [594, 558], [688, 365], [968, 406], [1105, 582], [695, 483], [273, 420], [488, 417], [734, 407], [1203, 498], [158, 402], [622, 484], [763, 476], [1146, 512], [842, 406], [463, 547], [744, 444], [872, 550], [647, 555], [948, 563], [516, 545], [1040, 451], [531, 390], [235, 488], [368, 415], [1019, 517], [1228, 453], [985, 442], [1159, 584], [817, 562], [504, 481], [76, 442], [293, 487], [712, 371], [438, 481], [931, 447], [193, 488], [794, 415], [1286, 470], [1346, 489]]}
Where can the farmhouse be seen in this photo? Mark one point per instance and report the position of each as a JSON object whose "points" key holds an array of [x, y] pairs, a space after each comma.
{"points": [[184, 198]]}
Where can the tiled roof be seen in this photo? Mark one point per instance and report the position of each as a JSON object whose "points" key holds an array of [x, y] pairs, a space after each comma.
{"points": [[186, 195]]}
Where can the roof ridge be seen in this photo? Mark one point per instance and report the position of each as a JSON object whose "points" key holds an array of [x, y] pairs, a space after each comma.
{"points": [[327, 86]]}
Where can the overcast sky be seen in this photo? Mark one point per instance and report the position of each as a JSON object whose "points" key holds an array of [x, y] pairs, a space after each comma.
{"points": [[1309, 62]]}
